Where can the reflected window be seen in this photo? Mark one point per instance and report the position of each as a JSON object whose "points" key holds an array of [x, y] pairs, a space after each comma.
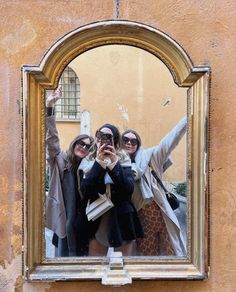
{"points": [[68, 107]]}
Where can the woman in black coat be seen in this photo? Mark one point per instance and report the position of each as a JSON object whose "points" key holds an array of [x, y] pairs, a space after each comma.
{"points": [[110, 172]]}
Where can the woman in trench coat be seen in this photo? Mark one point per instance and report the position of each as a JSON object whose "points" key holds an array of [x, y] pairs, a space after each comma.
{"points": [[64, 207], [162, 234]]}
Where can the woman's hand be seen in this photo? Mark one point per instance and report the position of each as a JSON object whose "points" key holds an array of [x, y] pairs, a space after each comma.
{"points": [[53, 97], [111, 153], [107, 152]]}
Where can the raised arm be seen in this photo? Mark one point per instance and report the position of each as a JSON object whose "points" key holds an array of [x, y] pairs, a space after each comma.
{"points": [[161, 152], [52, 138]]}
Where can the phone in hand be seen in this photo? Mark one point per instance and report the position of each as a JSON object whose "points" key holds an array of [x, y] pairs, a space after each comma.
{"points": [[106, 139]]}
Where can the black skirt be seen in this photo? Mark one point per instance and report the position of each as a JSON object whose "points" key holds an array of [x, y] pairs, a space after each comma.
{"points": [[123, 225]]}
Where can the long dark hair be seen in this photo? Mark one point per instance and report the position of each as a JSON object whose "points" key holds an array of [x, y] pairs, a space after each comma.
{"points": [[73, 161], [137, 137]]}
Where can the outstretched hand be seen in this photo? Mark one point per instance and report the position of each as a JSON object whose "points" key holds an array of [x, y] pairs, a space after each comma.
{"points": [[53, 97]]}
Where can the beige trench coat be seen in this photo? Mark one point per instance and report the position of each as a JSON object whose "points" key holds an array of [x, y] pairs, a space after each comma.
{"points": [[56, 158], [150, 190]]}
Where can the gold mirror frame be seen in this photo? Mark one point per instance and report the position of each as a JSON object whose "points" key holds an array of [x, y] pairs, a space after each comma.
{"points": [[46, 75]]}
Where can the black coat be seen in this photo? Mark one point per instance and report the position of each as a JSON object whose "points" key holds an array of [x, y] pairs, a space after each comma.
{"points": [[124, 225], [76, 241]]}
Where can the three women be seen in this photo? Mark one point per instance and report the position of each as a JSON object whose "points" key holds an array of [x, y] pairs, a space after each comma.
{"points": [[108, 170]]}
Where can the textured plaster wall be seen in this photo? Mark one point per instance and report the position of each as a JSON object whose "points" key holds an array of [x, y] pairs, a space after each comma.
{"points": [[206, 29]]}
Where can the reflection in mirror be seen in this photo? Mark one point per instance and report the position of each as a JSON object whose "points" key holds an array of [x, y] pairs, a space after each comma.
{"points": [[133, 90]]}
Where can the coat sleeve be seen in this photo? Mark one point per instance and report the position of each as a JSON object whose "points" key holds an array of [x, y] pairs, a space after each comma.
{"points": [[91, 183], [161, 152], [52, 139], [122, 177]]}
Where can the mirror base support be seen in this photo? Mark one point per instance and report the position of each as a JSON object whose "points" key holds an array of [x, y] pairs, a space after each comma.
{"points": [[116, 274]]}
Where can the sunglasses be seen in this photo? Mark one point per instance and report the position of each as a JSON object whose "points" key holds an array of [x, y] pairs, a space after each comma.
{"points": [[83, 145], [133, 142]]}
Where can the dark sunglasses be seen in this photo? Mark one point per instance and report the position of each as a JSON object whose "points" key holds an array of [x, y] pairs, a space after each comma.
{"points": [[81, 144], [133, 142], [103, 136]]}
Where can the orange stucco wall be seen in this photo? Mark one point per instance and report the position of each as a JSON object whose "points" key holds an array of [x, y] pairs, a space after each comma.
{"points": [[206, 29]]}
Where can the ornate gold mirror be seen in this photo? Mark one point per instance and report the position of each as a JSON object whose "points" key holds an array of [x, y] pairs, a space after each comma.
{"points": [[135, 77]]}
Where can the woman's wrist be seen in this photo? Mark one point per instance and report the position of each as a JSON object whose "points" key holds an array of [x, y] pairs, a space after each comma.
{"points": [[102, 163], [112, 164]]}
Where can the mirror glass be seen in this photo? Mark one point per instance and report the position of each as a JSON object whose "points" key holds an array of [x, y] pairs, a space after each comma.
{"points": [[132, 89]]}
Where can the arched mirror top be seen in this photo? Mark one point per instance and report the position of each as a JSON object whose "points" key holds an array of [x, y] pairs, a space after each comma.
{"points": [[123, 32]]}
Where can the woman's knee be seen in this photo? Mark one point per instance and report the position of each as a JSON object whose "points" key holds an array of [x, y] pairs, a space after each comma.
{"points": [[96, 248]]}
